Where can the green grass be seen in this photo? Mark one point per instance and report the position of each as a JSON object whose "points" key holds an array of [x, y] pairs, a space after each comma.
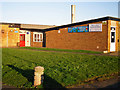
{"points": [[61, 69], [62, 50]]}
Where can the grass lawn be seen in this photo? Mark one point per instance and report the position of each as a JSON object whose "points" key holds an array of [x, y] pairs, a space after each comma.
{"points": [[62, 50], [61, 69]]}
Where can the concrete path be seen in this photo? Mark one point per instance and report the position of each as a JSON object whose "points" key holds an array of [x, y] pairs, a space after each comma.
{"points": [[7, 86], [102, 54], [111, 83]]}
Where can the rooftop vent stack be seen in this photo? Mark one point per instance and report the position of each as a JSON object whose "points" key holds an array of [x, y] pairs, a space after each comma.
{"points": [[119, 9], [72, 13]]}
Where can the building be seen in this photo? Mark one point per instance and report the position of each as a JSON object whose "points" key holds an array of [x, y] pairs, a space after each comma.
{"points": [[102, 34], [14, 34]]}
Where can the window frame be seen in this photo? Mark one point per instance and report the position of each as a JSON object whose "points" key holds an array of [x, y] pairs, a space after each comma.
{"points": [[37, 37]]}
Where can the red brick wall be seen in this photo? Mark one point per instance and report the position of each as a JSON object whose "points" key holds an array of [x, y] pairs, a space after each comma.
{"points": [[119, 37], [0, 35], [35, 44], [80, 41]]}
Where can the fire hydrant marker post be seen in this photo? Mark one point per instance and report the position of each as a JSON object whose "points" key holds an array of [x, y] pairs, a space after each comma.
{"points": [[38, 75]]}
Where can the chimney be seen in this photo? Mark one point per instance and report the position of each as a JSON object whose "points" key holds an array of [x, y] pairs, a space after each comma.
{"points": [[119, 9], [72, 13]]}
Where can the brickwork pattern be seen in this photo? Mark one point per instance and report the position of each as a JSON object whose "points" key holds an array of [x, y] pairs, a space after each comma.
{"points": [[9, 37], [35, 44], [95, 41], [119, 37]]}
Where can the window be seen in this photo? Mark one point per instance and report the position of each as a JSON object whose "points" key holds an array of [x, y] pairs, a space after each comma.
{"points": [[37, 37], [22, 37], [112, 28], [112, 36]]}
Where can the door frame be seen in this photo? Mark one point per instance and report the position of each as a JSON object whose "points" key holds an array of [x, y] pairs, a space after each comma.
{"points": [[114, 44], [26, 37], [20, 38]]}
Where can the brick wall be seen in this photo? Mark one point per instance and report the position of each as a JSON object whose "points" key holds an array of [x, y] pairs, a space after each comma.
{"points": [[95, 41], [35, 44], [119, 37], [0, 36], [13, 38], [116, 43], [116, 37], [9, 37]]}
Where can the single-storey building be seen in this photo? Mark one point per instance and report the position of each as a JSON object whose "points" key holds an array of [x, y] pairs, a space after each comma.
{"points": [[102, 34], [21, 35]]}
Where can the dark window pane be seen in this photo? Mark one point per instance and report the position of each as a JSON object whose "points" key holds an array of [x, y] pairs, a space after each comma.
{"points": [[23, 37], [38, 36], [20, 38], [112, 28], [112, 36]]}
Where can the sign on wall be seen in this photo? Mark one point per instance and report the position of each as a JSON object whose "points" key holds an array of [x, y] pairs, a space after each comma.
{"points": [[14, 25], [16, 31], [113, 23], [78, 29], [119, 23], [95, 27]]}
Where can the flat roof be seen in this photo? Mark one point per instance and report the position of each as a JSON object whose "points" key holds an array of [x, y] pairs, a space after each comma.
{"points": [[35, 26], [30, 26], [44, 28], [84, 22]]}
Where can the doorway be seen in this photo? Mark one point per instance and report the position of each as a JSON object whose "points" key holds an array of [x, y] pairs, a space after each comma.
{"points": [[22, 40], [112, 39]]}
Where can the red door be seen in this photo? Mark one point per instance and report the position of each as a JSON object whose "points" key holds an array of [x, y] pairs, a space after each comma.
{"points": [[22, 40]]}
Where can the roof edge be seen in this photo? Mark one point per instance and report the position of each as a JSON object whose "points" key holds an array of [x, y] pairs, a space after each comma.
{"points": [[84, 22]]}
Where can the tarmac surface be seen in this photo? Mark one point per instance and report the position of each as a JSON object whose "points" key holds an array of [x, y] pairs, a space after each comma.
{"points": [[110, 83]]}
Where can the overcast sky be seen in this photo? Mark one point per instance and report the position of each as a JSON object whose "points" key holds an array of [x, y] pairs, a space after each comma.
{"points": [[55, 13]]}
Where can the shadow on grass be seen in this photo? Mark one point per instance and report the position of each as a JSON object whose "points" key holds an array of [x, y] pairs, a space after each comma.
{"points": [[47, 83], [28, 73], [52, 84]]}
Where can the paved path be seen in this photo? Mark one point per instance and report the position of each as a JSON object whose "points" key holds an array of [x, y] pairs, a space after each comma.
{"points": [[7, 86], [108, 54], [111, 83], [101, 54]]}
